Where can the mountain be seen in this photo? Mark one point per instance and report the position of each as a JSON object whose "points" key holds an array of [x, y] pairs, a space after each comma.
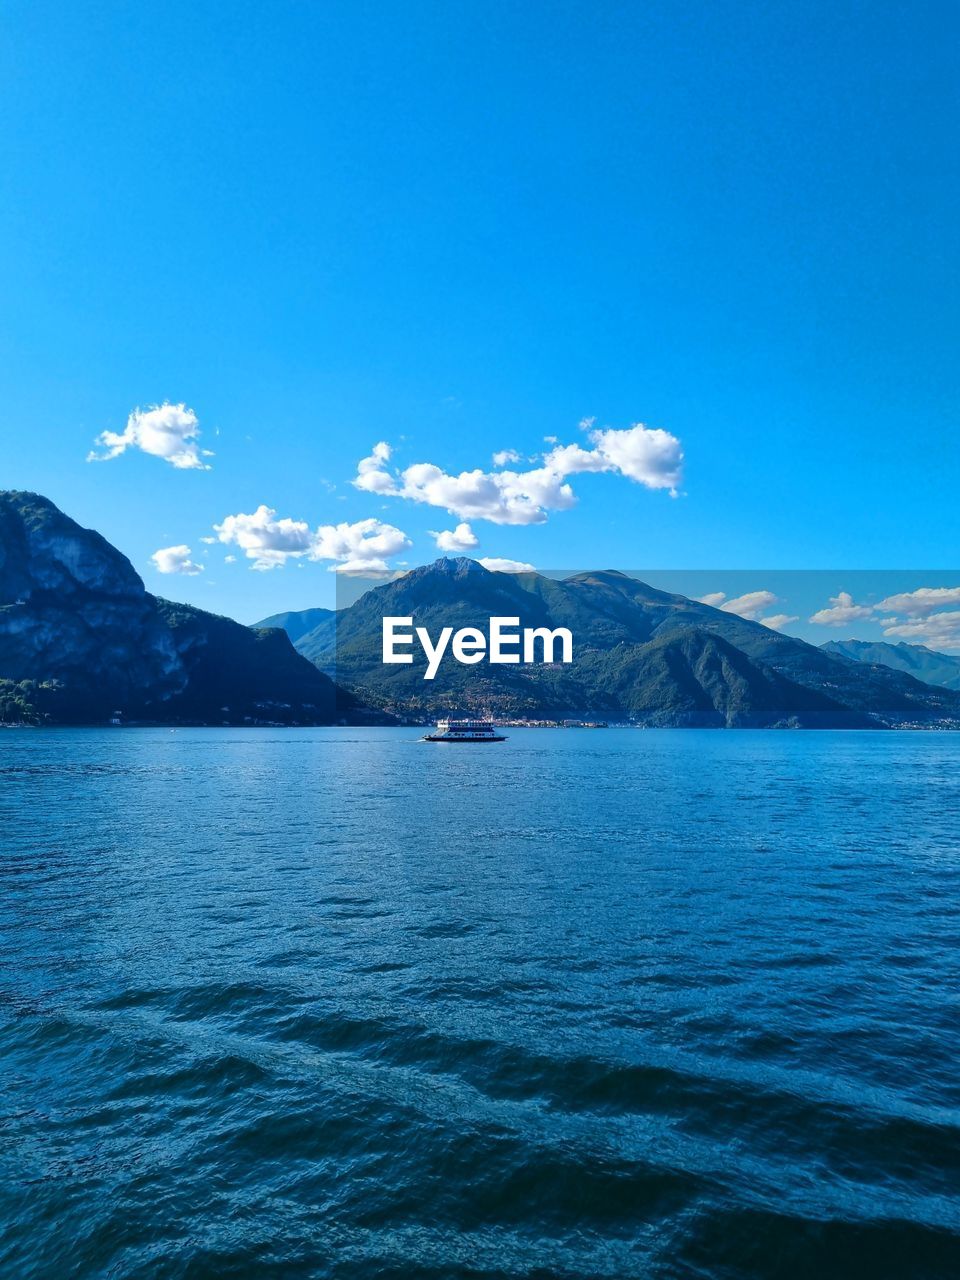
{"points": [[241, 673], [81, 641], [639, 654], [916, 659], [298, 624]]}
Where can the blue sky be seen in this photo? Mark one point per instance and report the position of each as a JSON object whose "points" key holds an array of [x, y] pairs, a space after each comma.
{"points": [[467, 229]]}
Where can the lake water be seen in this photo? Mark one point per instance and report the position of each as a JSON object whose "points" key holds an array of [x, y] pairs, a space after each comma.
{"points": [[290, 1003]]}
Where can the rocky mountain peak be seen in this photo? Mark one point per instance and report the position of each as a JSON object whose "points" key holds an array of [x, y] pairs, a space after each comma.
{"points": [[43, 550]]}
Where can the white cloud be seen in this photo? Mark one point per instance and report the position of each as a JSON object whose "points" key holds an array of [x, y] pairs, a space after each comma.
{"points": [[462, 538], [502, 497], [750, 605], [175, 560], [571, 459], [360, 567], [841, 611], [653, 458], [264, 539], [269, 543], [372, 475], [504, 456], [167, 431], [365, 544], [923, 601], [649, 456], [922, 619], [777, 621], [497, 564], [938, 630]]}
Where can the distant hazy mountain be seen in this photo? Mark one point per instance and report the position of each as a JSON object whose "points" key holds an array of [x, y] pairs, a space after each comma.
{"points": [[298, 624], [916, 659], [640, 653], [81, 640]]}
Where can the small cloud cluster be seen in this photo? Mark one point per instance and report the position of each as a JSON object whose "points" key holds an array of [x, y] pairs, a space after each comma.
{"points": [[919, 617], [841, 610], [269, 542], [462, 538], [650, 457], [938, 631], [752, 605], [497, 564], [175, 560], [924, 620], [777, 621], [167, 431], [502, 497], [922, 602]]}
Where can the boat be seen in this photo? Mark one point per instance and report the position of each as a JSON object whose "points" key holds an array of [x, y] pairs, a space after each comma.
{"points": [[465, 731]]}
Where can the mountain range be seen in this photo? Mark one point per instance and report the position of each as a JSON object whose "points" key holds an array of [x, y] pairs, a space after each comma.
{"points": [[916, 659], [83, 641], [641, 654]]}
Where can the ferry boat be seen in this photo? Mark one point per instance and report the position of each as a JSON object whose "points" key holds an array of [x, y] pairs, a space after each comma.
{"points": [[465, 731]]}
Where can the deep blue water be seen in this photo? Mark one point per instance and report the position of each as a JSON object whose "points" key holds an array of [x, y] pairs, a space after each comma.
{"points": [[591, 1003]]}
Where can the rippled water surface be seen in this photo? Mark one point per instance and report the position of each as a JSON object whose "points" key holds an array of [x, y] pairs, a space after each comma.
{"points": [[590, 1003]]}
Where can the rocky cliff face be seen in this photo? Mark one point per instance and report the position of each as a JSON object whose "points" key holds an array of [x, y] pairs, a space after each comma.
{"points": [[44, 551], [82, 640], [73, 610]]}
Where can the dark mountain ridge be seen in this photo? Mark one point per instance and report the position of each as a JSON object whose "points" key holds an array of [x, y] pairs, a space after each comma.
{"points": [[916, 659], [297, 623], [82, 641]]}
